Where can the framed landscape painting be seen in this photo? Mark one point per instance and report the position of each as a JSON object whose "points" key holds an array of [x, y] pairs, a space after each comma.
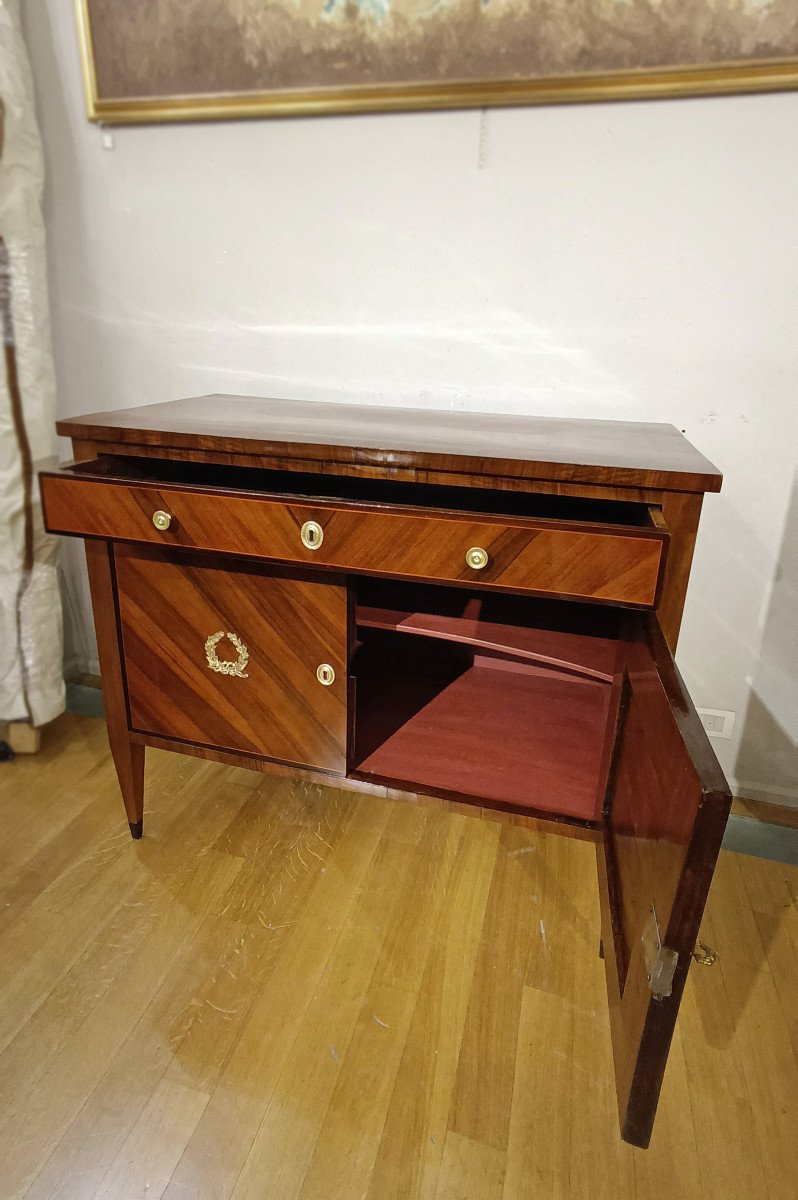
{"points": [[165, 60]]}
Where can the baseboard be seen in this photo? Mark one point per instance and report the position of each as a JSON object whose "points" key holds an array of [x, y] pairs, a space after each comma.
{"points": [[769, 814], [76, 667], [746, 789]]}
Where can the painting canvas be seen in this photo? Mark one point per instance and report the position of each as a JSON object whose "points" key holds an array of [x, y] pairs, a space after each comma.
{"points": [[170, 59]]}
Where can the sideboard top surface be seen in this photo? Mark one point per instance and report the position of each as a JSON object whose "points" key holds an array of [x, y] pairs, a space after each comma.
{"points": [[622, 453]]}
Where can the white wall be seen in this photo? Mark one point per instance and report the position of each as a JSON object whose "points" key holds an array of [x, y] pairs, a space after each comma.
{"points": [[633, 261]]}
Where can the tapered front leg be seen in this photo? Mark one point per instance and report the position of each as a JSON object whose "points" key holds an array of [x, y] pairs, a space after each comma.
{"points": [[128, 756], [129, 762]]}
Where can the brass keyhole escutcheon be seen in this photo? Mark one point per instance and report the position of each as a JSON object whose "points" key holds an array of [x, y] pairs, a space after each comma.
{"points": [[477, 558], [161, 520], [312, 535], [325, 674]]}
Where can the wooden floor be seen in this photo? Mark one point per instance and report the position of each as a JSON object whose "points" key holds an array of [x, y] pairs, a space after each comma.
{"points": [[288, 991]]}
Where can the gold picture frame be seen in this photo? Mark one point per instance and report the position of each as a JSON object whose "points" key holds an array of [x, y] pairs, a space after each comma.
{"points": [[726, 78]]}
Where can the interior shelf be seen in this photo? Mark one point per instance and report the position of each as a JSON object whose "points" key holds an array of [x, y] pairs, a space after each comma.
{"points": [[592, 657], [483, 698]]}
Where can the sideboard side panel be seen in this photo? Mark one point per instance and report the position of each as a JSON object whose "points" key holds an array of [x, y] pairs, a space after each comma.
{"points": [[682, 511]]}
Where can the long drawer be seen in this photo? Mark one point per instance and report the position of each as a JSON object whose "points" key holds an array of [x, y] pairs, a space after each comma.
{"points": [[612, 563]]}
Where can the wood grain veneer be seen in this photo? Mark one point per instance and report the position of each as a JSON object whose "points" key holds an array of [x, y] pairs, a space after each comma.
{"points": [[629, 453], [668, 807], [624, 461], [127, 755], [289, 625], [607, 563]]}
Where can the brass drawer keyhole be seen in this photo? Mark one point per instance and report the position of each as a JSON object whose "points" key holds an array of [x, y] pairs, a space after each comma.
{"points": [[325, 674], [312, 535]]}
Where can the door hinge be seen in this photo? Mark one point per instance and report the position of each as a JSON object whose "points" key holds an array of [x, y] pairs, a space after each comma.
{"points": [[660, 961]]}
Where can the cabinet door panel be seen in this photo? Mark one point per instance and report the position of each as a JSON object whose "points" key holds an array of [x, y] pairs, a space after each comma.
{"points": [[667, 808], [256, 691]]}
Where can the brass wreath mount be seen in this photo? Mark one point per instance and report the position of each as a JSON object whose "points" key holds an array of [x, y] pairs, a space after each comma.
{"points": [[223, 666]]}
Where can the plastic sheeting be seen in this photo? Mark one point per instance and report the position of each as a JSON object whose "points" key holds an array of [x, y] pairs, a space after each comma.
{"points": [[31, 675]]}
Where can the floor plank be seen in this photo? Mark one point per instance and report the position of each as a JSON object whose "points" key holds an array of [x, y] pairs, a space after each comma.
{"points": [[470, 1169], [289, 991], [412, 1144]]}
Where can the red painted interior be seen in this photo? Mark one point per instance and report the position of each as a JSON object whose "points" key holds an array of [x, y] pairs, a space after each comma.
{"points": [[432, 715]]}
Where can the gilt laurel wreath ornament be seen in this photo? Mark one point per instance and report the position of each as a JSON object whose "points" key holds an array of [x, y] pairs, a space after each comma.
{"points": [[221, 665]]}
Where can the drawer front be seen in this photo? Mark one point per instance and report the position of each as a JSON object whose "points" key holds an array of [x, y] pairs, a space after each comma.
{"points": [[229, 658], [603, 562]]}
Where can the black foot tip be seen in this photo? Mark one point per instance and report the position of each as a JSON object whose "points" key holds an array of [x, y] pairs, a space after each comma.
{"points": [[136, 828]]}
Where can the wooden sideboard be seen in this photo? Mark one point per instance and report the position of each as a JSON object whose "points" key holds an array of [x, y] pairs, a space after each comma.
{"points": [[470, 606]]}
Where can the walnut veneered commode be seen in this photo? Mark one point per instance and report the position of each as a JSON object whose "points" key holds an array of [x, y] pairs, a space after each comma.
{"points": [[477, 607]]}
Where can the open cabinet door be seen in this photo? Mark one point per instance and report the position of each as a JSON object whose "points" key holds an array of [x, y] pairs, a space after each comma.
{"points": [[667, 805]]}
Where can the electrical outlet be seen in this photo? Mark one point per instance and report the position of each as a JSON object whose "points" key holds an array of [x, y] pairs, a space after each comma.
{"points": [[718, 722]]}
